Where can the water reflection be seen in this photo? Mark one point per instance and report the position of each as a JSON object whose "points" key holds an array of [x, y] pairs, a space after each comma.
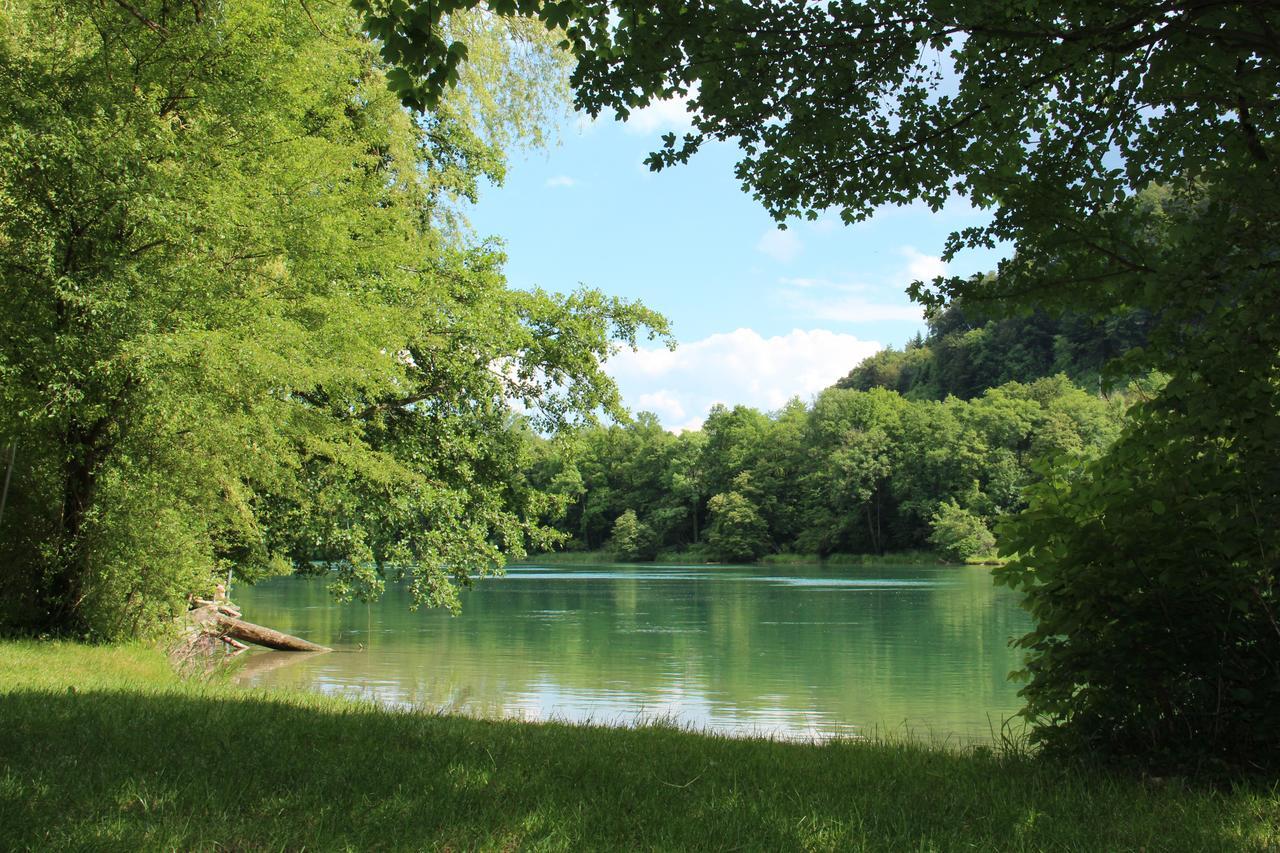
{"points": [[808, 653]]}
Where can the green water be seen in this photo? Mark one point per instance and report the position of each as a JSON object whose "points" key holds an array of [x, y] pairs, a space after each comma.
{"points": [[792, 652]]}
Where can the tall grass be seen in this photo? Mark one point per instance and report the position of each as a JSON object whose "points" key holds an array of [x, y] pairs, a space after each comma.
{"points": [[103, 748]]}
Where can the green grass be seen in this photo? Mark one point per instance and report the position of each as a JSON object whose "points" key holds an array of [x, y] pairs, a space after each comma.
{"points": [[570, 558], [790, 560], [896, 558], [104, 749]]}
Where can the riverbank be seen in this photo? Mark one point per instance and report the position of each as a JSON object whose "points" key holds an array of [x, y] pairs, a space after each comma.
{"points": [[103, 747], [702, 557]]}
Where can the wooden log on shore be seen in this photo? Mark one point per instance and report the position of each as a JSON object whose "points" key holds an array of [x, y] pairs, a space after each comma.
{"points": [[212, 619], [239, 629]]}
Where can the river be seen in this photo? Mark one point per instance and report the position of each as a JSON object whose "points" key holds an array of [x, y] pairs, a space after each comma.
{"points": [[795, 652]]}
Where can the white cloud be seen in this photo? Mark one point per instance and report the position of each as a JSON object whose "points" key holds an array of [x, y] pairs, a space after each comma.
{"points": [[671, 114], [853, 309], [691, 425], [662, 403], [832, 300], [560, 181], [783, 246], [922, 267], [680, 386]]}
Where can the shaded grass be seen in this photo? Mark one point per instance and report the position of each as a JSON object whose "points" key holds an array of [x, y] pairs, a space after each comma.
{"points": [[102, 748]]}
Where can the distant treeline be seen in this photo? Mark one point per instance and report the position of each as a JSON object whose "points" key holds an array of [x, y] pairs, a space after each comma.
{"points": [[856, 472], [965, 353]]}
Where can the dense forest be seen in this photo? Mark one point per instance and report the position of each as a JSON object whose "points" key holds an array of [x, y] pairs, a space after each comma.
{"points": [[966, 352], [860, 472]]}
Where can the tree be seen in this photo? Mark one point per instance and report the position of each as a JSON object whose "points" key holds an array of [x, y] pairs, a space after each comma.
{"points": [[633, 540], [959, 534], [965, 355], [685, 481], [737, 533], [243, 330], [853, 435]]}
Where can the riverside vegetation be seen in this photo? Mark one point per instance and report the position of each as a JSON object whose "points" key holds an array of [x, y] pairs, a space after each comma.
{"points": [[864, 470], [104, 748]]}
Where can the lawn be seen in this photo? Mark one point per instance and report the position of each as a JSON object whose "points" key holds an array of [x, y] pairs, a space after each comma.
{"points": [[105, 748]]}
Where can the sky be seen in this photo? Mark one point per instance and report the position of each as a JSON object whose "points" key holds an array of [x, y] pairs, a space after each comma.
{"points": [[761, 314]]}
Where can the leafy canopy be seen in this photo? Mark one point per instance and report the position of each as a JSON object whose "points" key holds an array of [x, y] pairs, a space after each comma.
{"points": [[243, 326], [1127, 153]]}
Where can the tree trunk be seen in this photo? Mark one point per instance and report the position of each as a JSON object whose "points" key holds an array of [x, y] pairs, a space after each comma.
{"points": [[241, 630], [64, 585]]}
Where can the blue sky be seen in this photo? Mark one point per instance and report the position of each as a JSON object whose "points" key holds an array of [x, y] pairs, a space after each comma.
{"points": [[761, 315]]}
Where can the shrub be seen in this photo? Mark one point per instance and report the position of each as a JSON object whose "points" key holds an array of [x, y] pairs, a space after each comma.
{"points": [[959, 534], [1152, 576], [737, 532], [633, 539]]}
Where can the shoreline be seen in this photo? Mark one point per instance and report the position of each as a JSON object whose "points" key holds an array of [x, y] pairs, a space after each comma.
{"points": [[696, 558]]}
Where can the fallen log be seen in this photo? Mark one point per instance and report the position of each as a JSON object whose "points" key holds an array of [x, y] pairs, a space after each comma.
{"points": [[210, 619], [238, 629]]}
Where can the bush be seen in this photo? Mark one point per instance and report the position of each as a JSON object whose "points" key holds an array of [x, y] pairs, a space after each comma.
{"points": [[1152, 576], [633, 539], [958, 534], [737, 533], [695, 553], [790, 559]]}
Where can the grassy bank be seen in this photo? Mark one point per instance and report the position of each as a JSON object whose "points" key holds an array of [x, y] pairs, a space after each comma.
{"points": [[103, 748]]}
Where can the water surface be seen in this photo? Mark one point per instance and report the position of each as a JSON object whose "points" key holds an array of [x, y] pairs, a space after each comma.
{"points": [[792, 652]]}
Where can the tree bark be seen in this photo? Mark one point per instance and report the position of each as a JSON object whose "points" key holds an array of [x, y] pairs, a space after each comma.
{"points": [[239, 629]]}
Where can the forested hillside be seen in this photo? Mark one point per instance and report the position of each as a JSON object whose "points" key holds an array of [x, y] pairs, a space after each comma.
{"points": [[855, 472], [966, 352]]}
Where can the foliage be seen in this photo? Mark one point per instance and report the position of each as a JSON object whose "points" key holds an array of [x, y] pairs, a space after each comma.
{"points": [[966, 353], [856, 472], [633, 540], [737, 533], [959, 534], [1152, 576], [1127, 154], [243, 329]]}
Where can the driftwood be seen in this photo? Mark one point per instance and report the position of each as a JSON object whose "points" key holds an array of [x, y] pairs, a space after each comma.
{"points": [[213, 618], [238, 629]]}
